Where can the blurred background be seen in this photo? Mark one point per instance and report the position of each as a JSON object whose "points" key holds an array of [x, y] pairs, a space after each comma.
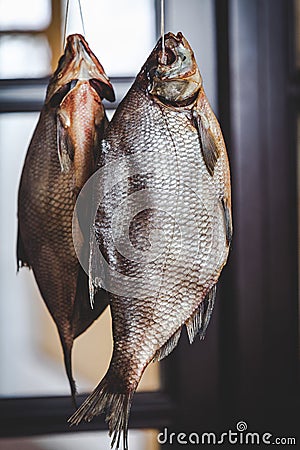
{"points": [[248, 52]]}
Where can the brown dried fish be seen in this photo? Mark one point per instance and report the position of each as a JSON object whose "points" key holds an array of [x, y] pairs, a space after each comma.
{"points": [[60, 158], [163, 224]]}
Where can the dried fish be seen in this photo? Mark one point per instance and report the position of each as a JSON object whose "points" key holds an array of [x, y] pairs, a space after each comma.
{"points": [[60, 159], [163, 223]]}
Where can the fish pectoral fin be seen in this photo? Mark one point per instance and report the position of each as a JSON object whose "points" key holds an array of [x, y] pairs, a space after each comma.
{"points": [[209, 148], [95, 281], [101, 123], [65, 147], [198, 322], [227, 221], [168, 347], [83, 314], [22, 259]]}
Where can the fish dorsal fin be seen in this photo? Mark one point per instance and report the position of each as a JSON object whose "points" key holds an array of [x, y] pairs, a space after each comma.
{"points": [[209, 148], [168, 347], [228, 221], [65, 148], [199, 320]]}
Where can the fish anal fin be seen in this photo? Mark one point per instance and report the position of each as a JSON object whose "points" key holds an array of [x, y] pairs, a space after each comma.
{"points": [[65, 148], [22, 259], [168, 347], [227, 221], [209, 302], [194, 324], [198, 322], [208, 145]]}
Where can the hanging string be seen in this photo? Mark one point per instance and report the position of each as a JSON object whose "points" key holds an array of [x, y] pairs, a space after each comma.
{"points": [[81, 16], [162, 31], [66, 23]]}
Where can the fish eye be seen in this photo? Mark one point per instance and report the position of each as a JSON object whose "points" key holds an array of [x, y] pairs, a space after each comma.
{"points": [[170, 57]]}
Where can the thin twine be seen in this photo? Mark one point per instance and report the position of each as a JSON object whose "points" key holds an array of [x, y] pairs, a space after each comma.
{"points": [[162, 30], [81, 16], [66, 21]]}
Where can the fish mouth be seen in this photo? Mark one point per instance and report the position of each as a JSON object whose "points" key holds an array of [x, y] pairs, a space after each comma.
{"points": [[78, 63], [174, 74]]}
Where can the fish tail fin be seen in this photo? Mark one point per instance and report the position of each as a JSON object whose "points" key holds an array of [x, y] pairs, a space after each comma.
{"points": [[67, 350], [115, 406]]}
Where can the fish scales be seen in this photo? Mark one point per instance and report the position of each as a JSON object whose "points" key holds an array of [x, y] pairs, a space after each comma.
{"points": [[60, 158], [171, 132], [173, 182]]}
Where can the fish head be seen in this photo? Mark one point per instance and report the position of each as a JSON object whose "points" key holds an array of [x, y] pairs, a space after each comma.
{"points": [[78, 63], [173, 74]]}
